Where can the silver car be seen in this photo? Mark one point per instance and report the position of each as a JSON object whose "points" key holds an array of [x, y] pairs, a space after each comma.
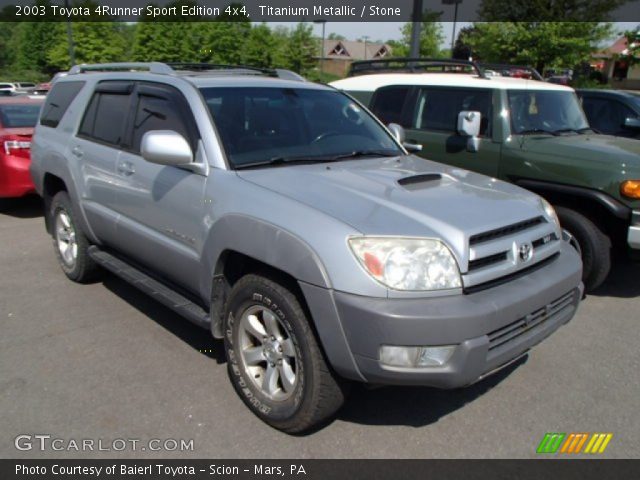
{"points": [[283, 217]]}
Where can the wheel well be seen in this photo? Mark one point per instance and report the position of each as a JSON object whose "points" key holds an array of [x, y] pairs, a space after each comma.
{"points": [[231, 267], [50, 186], [611, 225]]}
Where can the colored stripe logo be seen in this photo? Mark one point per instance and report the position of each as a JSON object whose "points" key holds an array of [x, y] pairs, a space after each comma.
{"points": [[573, 443]]}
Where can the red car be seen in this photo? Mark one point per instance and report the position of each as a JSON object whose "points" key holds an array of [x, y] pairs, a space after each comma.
{"points": [[18, 117]]}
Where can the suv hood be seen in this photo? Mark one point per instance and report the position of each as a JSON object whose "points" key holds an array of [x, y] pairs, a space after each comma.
{"points": [[592, 147], [449, 203]]}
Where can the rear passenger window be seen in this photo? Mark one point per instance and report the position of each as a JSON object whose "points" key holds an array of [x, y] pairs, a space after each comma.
{"points": [[438, 109], [58, 100], [388, 102], [106, 115]]}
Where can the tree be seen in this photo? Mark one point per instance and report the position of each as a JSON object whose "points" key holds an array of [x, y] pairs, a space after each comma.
{"points": [[540, 44], [259, 47], [431, 37], [335, 36], [632, 54], [547, 10], [301, 49]]}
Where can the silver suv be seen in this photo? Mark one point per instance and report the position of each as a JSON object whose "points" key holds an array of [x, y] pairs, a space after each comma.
{"points": [[286, 219]]}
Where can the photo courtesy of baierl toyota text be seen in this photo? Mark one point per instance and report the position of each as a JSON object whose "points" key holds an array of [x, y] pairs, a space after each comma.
{"points": [[319, 239]]}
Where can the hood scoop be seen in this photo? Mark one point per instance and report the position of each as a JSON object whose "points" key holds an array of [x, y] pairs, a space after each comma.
{"points": [[417, 182]]}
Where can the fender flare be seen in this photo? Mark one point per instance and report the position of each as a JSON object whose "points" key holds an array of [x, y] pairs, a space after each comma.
{"points": [[610, 204]]}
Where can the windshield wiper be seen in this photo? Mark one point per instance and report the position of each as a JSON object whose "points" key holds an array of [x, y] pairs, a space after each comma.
{"points": [[538, 130], [366, 153], [274, 161]]}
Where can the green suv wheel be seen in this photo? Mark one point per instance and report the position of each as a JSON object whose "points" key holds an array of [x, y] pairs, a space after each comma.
{"points": [[595, 246]]}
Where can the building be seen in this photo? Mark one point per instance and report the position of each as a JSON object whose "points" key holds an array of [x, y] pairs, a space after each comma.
{"points": [[616, 70], [338, 54]]}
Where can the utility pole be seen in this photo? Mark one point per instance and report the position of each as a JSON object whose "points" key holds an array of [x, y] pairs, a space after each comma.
{"points": [[324, 24], [365, 38], [72, 48], [455, 19], [416, 24]]}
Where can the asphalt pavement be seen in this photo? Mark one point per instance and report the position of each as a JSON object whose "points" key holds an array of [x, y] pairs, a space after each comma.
{"points": [[104, 362]]}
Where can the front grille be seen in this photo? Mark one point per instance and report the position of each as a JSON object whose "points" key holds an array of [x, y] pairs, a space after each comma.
{"points": [[486, 261], [505, 231], [511, 332]]}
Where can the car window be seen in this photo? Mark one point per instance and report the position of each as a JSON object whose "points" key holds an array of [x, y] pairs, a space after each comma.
{"points": [[58, 100], [545, 110], [259, 124], [105, 117], [19, 116], [438, 108], [388, 102], [6, 85], [605, 115], [162, 111]]}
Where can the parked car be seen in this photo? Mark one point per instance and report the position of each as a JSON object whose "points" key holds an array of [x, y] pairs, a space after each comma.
{"points": [[531, 133], [613, 112], [285, 219], [43, 88], [18, 117], [7, 87]]}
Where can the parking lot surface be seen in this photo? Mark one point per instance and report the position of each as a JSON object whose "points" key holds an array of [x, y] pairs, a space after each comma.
{"points": [[104, 362]]}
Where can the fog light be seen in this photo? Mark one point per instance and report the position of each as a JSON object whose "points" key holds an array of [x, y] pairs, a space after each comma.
{"points": [[413, 357]]}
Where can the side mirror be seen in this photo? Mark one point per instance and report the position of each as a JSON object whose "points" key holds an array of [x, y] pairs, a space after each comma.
{"points": [[166, 147], [398, 132], [632, 122], [469, 126]]}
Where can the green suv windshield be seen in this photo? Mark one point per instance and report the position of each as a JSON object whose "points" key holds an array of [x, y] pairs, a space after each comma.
{"points": [[546, 111], [269, 126]]}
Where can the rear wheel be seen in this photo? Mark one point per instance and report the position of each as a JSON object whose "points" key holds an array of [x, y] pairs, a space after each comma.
{"points": [[595, 246], [274, 361], [70, 244]]}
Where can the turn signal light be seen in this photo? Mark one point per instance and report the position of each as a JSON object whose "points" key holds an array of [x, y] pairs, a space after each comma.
{"points": [[630, 188]]}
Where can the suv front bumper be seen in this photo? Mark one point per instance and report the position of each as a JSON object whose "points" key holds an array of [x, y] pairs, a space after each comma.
{"points": [[491, 328], [634, 230]]}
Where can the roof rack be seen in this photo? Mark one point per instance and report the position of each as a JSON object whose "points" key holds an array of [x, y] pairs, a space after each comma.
{"points": [[414, 65], [504, 69], [194, 68]]}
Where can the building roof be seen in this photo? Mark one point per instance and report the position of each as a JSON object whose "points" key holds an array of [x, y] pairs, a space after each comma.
{"points": [[355, 50], [619, 47], [368, 83]]}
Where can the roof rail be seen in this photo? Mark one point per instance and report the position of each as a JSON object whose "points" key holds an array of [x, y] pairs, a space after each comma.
{"points": [[152, 67], [504, 69], [173, 68], [414, 65]]}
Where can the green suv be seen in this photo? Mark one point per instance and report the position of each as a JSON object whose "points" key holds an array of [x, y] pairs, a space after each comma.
{"points": [[529, 132]]}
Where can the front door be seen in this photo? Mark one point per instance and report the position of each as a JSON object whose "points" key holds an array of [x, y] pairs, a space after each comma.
{"points": [[162, 207], [432, 122]]}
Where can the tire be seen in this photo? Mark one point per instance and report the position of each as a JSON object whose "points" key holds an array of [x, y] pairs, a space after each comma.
{"points": [[69, 243], [305, 393], [595, 246]]}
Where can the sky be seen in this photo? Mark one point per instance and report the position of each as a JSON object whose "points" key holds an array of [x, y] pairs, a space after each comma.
{"points": [[391, 30]]}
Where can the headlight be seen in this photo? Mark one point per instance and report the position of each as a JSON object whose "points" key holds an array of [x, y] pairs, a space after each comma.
{"points": [[551, 212], [417, 264]]}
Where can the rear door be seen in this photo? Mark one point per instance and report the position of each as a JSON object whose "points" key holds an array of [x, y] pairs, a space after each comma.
{"points": [[431, 118], [96, 149], [162, 223]]}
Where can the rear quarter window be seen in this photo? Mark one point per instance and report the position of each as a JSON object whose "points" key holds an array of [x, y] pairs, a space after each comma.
{"points": [[58, 100]]}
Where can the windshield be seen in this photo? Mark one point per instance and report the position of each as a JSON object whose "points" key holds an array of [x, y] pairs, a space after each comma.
{"points": [[545, 111], [263, 125], [19, 116]]}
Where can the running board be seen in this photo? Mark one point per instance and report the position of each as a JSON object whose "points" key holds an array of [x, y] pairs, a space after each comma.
{"points": [[156, 290]]}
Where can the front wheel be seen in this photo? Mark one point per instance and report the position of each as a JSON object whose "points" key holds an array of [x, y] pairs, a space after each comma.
{"points": [[594, 245], [274, 360]]}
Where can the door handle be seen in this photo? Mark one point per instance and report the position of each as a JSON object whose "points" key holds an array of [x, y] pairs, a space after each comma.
{"points": [[77, 152], [126, 168]]}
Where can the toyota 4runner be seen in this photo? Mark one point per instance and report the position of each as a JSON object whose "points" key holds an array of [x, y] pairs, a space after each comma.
{"points": [[287, 220]]}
